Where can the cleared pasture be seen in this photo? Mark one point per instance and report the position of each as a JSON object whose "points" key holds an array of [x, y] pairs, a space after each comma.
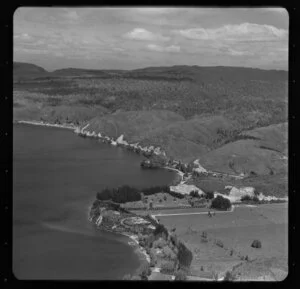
{"points": [[236, 231]]}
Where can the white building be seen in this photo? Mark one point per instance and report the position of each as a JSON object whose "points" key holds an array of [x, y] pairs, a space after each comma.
{"points": [[186, 189], [198, 168], [236, 194]]}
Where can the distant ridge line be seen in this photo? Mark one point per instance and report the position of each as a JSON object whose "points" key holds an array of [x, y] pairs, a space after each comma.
{"points": [[151, 68]]}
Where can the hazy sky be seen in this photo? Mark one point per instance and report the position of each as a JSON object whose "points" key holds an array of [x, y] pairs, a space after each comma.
{"points": [[128, 38]]}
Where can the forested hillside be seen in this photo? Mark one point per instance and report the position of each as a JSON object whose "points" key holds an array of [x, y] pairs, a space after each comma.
{"points": [[231, 118]]}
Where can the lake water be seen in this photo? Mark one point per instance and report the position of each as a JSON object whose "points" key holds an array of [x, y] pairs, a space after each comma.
{"points": [[56, 175]]}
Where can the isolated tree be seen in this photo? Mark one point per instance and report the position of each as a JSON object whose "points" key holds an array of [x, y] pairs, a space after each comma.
{"points": [[221, 203], [256, 244]]}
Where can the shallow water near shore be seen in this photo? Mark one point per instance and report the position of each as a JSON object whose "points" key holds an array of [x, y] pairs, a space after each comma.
{"points": [[56, 175]]}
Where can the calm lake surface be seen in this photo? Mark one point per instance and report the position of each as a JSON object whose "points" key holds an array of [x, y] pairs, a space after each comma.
{"points": [[56, 175]]}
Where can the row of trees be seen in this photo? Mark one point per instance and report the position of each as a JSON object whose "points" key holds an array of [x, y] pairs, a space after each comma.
{"points": [[127, 193], [225, 136], [154, 190], [120, 195], [250, 199], [194, 194]]}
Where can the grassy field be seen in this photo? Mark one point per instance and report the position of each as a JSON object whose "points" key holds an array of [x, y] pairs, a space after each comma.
{"points": [[236, 231], [158, 200]]}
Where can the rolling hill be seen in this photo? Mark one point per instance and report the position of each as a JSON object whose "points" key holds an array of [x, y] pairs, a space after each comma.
{"points": [[233, 119], [22, 71], [212, 73], [261, 151]]}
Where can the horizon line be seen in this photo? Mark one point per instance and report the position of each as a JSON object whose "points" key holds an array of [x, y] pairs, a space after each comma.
{"points": [[175, 65]]}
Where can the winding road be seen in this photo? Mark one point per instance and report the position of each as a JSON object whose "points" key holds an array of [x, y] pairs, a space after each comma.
{"points": [[195, 213]]}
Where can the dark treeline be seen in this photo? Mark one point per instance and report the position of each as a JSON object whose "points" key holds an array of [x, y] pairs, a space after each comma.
{"points": [[120, 195], [185, 256], [154, 190], [247, 198], [158, 189], [195, 194], [127, 193]]}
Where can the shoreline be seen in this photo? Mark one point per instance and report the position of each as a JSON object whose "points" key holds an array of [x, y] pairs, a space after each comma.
{"points": [[133, 242], [42, 123], [131, 147], [179, 173], [110, 141], [138, 249], [106, 139]]}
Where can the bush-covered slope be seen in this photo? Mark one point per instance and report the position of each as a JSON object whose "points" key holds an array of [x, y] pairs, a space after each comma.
{"points": [[188, 139], [181, 139], [40, 107], [253, 97], [134, 125]]}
